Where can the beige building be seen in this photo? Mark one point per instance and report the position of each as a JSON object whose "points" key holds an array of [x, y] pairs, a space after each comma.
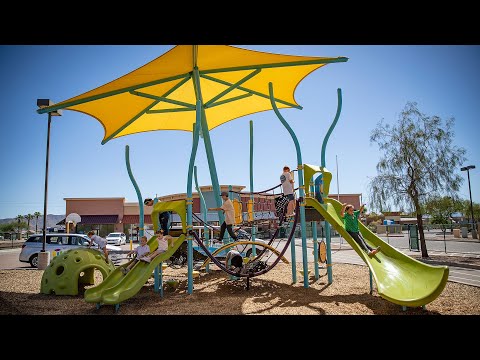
{"points": [[115, 214]]}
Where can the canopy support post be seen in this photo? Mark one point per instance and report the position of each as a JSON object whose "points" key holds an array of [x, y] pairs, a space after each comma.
{"points": [[301, 190]]}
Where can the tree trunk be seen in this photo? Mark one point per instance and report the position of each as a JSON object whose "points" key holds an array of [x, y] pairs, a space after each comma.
{"points": [[423, 245], [418, 212]]}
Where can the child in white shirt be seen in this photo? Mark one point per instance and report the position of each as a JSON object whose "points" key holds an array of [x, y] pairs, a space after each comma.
{"points": [[140, 251], [164, 241]]}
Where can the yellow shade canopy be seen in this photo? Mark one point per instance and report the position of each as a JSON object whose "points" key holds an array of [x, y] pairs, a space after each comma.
{"points": [[162, 95]]}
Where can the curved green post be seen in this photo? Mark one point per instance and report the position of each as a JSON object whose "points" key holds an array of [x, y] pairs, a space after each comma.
{"points": [[208, 144], [302, 191], [314, 234], [334, 123], [193, 154], [324, 146], [254, 251], [137, 190]]}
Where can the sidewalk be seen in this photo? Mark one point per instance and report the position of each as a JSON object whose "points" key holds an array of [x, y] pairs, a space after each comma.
{"points": [[9, 244]]}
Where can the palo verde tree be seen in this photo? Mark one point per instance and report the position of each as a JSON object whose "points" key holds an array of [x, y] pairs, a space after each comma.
{"points": [[419, 161]]}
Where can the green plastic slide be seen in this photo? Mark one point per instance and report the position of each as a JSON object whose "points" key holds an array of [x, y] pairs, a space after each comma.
{"points": [[400, 279], [118, 287]]}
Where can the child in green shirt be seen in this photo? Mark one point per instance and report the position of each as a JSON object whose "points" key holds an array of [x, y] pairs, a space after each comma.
{"points": [[350, 221]]}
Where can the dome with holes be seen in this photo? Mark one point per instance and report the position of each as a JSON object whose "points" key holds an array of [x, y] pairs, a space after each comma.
{"points": [[73, 269]]}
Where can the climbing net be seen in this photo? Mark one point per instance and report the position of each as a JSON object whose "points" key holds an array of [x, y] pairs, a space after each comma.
{"points": [[257, 265], [266, 211]]}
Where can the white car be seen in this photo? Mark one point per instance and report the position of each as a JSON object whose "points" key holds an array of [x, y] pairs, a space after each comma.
{"points": [[116, 238], [59, 242]]}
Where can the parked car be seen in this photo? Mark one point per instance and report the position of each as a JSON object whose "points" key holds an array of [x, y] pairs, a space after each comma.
{"points": [[116, 238], [60, 242]]}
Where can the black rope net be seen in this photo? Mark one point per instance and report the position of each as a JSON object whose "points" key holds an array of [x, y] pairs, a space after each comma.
{"points": [[258, 265], [265, 210]]}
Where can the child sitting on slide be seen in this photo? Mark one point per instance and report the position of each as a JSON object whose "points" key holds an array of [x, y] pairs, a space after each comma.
{"points": [[164, 242], [141, 250]]}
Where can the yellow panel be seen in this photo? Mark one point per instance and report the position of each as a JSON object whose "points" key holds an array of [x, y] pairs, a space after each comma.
{"points": [[250, 210], [237, 206], [222, 56], [177, 61], [115, 107]]}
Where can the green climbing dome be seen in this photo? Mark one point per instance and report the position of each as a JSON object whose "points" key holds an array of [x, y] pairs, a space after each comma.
{"points": [[72, 268]]}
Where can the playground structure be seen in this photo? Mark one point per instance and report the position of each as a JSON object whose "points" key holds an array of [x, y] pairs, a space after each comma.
{"points": [[72, 269], [399, 278]]}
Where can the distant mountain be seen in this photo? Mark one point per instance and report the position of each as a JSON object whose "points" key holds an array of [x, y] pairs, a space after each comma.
{"points": [[52, 221]]}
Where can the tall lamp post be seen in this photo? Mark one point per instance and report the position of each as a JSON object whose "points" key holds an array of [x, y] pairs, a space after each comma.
{"points": [[467, 169], [43, 256]]}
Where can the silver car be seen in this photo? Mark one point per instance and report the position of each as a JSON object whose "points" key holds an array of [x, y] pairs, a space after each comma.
{"points": [[60, 242]]}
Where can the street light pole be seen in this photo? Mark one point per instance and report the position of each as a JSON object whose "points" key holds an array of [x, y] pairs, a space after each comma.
{"points": [[44, 257], [467, 169], [46, 186]]}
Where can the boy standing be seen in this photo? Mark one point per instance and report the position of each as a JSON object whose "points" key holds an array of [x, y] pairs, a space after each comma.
{"points": [[229, 212]]}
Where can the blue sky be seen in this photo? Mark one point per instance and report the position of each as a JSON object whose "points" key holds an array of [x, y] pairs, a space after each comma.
{"points": [[376, 83]]}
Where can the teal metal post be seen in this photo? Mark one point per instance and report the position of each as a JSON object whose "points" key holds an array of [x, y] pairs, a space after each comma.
{"points": [[329, 252], [301, 188], [193, 154], [315, 248], [203, 205], [252, 198], [137, 190], [158, 277], [314, 235], [207, 143], [334, 123], [161, 278], [229, 239], [324, 146]]}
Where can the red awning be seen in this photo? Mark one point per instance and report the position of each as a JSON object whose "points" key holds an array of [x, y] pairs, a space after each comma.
{"points": [[99, 219], [135, 219]]}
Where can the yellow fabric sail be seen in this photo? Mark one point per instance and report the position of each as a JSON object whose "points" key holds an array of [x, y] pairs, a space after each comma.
{"points": [[161, 94]]}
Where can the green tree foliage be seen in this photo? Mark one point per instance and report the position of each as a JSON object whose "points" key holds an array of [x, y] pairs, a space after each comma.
{"points": [[419, 161], [8, 228], [440, 208], [467, 212]]}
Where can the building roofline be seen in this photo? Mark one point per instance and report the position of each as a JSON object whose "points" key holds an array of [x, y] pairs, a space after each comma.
{"points": [[96, 198]]}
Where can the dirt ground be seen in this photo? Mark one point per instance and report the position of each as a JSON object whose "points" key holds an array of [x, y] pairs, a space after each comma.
{"points": [[270, 294]]}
